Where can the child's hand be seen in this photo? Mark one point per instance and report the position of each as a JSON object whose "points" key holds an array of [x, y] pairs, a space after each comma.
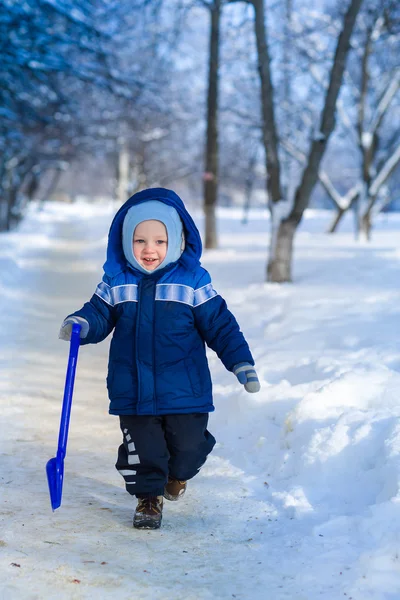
{"points": [[247, 376], [66, 328]]}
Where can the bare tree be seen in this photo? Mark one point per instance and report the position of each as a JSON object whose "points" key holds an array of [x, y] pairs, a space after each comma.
{"points": [[211, 162], [375, 133], [286, 216], [210, 175]]}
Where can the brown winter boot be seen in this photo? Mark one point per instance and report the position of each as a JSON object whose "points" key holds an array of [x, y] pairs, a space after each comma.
{"points": [[148, 513], [174, 489]]}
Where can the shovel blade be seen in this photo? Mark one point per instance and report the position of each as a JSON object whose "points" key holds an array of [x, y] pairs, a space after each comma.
{"points": [[55, 476]]}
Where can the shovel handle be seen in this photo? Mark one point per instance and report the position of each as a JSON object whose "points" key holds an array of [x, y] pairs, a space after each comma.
{"points": [[68, 390]]}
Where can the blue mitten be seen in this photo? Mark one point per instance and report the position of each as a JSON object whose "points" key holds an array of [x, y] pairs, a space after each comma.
{"points": [[247, 376], [66, 328]]}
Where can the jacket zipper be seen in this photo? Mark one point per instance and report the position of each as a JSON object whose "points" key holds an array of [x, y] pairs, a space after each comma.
{"points": [[154, 350], [136, 343]]}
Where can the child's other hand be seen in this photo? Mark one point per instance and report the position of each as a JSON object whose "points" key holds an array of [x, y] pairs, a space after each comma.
{"points": [[247, 376], [66, 328]]}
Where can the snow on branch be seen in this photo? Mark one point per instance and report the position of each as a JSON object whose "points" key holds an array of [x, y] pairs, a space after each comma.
{"points": [[341, 202], [385, 172], [384, 104]]}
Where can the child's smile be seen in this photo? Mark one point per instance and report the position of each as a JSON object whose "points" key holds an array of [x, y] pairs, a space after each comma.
{"points": [[150, 244]]}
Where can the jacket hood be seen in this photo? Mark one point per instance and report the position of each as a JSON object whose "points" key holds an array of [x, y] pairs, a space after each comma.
{"points": [[116, 260]]}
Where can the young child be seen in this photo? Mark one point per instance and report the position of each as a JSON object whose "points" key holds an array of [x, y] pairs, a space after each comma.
{"points": [[163, 308]]}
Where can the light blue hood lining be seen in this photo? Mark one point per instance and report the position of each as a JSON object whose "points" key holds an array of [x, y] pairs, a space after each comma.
{"points": [[158, 211], [116, 261]]}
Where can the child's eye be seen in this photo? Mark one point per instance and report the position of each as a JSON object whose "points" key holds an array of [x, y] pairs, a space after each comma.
{"points": [[139, 241], [161, 242]]}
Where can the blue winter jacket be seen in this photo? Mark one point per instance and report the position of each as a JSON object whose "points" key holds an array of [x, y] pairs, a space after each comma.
{"points": [[157, 362]]}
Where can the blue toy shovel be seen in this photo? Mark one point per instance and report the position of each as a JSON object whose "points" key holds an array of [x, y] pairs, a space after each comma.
{"points": [[55, 466]]}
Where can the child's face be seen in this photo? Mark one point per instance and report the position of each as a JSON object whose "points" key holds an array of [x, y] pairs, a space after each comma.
{"points": [[150, 244]]}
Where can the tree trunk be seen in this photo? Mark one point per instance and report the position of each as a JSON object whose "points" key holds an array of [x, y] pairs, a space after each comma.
{"points": [[373, 190], [335, 223], [210, 227], [33, 185], [327, 122], [280, 260], [123, 171], [321, 137], [11, 201], [249, 183], [10, 190], [278, 268], [210, 177], [52, 185], [341, 212], [3, 211], [366, 226], [269, 130]]}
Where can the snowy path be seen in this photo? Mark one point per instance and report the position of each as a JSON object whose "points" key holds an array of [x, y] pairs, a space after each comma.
{"points": [[300, 499]]}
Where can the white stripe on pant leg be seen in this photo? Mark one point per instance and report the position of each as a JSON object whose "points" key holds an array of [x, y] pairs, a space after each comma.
{"points": [[130, 482], [131, 447], [133, 459], [127, 472]]}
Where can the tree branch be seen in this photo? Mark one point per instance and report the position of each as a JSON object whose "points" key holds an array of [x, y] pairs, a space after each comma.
{"points": [[321, 138]]}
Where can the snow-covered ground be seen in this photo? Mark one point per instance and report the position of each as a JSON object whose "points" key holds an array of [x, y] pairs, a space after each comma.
{"points": [[300, 498]]}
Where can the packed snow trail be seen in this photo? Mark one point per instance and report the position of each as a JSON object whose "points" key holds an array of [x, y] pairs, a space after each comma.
{"points": [[300, 497]]}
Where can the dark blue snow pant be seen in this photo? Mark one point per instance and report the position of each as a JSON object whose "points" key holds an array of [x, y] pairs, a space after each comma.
{"points": [[157, 446]]}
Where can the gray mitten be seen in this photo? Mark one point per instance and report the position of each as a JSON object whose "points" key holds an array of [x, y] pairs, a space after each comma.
{"points": [[66, 328], [247, 376]]}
